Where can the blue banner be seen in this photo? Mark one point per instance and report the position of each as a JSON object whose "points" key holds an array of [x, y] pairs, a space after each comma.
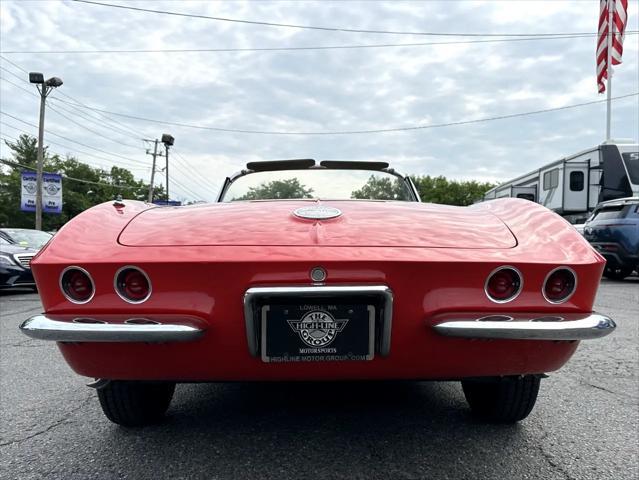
{"points": [[51, 192]]}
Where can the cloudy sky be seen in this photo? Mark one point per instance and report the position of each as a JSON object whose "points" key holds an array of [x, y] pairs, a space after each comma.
{"points": [[325, 90]]}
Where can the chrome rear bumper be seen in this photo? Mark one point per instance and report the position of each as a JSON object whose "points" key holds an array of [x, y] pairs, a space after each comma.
{"points": [[528, 327], [45, 328], [515, 327]]}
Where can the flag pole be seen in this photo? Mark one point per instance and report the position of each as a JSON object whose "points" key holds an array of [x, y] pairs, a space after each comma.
{"points": [[609, 69]]}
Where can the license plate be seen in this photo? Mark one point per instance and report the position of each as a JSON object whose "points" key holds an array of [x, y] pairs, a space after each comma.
{"points": [[316, 332]]}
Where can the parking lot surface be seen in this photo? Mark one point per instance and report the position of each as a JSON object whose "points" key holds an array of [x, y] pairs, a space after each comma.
{"points": [[585, 424]]}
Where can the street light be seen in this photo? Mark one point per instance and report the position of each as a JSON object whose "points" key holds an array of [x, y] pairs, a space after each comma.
{"points": [[44, 88], [35, 77], [168, 141], [54, 82]]}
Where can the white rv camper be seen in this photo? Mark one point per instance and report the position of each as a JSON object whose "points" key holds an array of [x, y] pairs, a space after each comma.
{"points": [[574, 185]]}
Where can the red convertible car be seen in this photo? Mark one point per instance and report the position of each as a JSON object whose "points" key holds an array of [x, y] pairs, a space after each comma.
{"points": [[306, 270]]}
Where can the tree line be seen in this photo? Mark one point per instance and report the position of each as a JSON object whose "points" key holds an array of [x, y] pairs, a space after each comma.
{"points": [[85, 186], [431, 189]]}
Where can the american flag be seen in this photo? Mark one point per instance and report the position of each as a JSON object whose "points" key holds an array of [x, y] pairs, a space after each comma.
{"points": [[619, 20]]}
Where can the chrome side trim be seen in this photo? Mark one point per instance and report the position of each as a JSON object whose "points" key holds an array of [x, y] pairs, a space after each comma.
{"points": [[252, 294], [541, 327], [44, 328]]}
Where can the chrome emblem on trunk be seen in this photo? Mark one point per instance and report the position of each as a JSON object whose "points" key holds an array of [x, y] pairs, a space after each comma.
{"points": [[317, 212]]}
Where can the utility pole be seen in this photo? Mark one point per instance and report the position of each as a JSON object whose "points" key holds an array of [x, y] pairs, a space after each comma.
{"points": [[44, 88], [154, 154], [40, 166], [166, 149], [168, 141]]}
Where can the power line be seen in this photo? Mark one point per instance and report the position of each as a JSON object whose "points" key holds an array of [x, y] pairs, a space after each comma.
{"points": [[192, 188], [14, 74], [73, 141], [185, 190], [329, 29], [185, 166], [348, 132], [59, 144], [194, 185], [288, 49], [75, 150], [182, 187], [14, 64], [184, 163], [85, 116], [134, 133], [126, 127], [18, 86], [99, 134], [66, 177], [82, 114], [102, 171], [177, 158], [66, 138], [357, 132]]}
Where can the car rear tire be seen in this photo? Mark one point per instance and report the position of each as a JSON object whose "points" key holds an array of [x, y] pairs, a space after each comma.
{"points": [[617, 273], [135, 404], [504, 399]]}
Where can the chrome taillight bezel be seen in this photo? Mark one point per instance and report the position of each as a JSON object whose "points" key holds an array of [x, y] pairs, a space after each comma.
{"points": [[517, 292], [63, 290], [120, 294], [567, 297]]}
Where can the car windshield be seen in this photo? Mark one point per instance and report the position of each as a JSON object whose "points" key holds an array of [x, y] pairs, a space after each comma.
{"points": [[325, 184], [31, 238], [632, 164], [607, 213]]}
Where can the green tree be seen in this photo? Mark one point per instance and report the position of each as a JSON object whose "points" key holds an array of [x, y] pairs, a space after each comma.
{"points": [[450, 192], [83, 186], [382, 188], [431, 189], [278, 189]]}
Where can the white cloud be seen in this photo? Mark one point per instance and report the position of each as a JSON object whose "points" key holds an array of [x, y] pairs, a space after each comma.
{"points": [[324, 90]]}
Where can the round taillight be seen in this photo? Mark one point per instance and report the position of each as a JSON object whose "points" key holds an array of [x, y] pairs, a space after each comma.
{"points": [[560, 285], [132, 284], [77, 285], [503, 284]]}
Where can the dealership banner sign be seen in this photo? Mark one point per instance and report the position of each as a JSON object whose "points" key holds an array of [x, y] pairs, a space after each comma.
{"points": [[51, 192]]}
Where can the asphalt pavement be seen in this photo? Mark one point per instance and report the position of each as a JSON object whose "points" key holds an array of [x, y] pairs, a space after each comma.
{"points": [[585, 424]]}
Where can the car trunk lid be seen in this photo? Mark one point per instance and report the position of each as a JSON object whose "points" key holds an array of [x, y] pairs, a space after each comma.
{"points": [[361, 223]]}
